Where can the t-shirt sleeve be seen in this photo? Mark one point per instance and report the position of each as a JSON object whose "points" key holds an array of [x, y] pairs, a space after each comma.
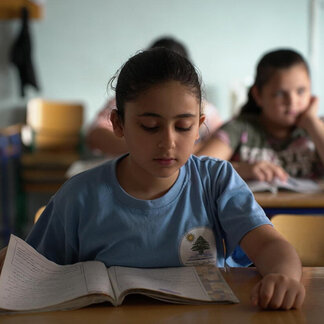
{"points": [[238, 212], [231, 133], [52, 235]]}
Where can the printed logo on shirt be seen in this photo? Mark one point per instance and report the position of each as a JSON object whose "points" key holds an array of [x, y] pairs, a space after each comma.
{"points": [[198, 246]]}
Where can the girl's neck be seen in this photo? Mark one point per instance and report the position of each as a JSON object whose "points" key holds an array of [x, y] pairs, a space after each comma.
{"points": [[275, 130], [141, 185]]}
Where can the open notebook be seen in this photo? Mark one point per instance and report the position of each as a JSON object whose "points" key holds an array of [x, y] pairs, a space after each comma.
{"points": [[293, 184], [31, 283]]}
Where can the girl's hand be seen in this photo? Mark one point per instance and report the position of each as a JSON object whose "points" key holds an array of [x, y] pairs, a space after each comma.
{"points": [[305, 119], [261, 170], [277, 291]]}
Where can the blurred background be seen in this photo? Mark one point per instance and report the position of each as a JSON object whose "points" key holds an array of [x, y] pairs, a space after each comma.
{"points": [[77, 46]]}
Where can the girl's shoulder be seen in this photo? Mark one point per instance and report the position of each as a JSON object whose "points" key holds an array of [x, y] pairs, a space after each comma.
{"points": [[90, 180], [208, 166], [244, 120]]}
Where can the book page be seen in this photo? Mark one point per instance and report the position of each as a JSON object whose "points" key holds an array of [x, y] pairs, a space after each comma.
{"points": [[30, 281], [298, 185], [182, 282], [293, 184], [256, 186], [179, 281]]}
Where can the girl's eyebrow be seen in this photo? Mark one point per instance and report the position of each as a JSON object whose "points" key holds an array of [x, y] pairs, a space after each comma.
{"points": [[148, 114]]}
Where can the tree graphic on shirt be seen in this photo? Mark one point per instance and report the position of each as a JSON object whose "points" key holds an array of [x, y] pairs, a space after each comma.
{"points": [[200, 245]]}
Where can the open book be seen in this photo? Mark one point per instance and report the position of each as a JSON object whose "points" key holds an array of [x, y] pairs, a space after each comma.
{"points": [[30, 282], [293, 184]]}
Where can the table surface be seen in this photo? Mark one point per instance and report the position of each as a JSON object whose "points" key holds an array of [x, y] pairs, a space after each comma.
{"points": [[288, 199], [139, 309]]}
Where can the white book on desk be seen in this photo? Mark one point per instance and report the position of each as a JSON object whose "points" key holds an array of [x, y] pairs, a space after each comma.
{"points": [[31, 283], [292, 184]]}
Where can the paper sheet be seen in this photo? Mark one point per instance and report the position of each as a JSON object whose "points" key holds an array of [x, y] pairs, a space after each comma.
{"points": [[30, 281]]}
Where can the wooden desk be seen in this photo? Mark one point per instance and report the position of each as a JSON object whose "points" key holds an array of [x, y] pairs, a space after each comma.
{"points": [[46, 171], [138, 309], [285, 202]]}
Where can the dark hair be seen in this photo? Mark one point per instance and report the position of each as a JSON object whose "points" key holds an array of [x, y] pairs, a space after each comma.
{"points": [[267, 66], [150, 68], [171, 44]]}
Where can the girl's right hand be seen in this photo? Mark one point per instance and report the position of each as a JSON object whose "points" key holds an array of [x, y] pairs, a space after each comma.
{"points": [[261, 171], [305, 119]]}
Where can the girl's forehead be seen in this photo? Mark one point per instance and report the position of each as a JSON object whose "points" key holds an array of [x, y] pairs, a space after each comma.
{"points": [[167, 97], [296, 74]]}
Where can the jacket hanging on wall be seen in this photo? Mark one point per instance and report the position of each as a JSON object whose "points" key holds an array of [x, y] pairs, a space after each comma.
{"points": [[20, 55]]}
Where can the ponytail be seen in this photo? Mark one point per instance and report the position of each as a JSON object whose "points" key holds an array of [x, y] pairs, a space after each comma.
{"points": [[250, 107]]}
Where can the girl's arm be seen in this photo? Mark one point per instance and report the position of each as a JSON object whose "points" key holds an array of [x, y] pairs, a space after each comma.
{"points": [[278, 263], [216, 148], [314, 126], [261, 170], [106, 141]]}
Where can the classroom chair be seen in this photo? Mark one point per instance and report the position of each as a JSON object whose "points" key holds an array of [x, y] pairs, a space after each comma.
{"points": [[54, 124], [38, 213], [306, 234]]}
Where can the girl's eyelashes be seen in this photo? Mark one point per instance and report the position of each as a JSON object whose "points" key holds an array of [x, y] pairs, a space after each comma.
{"points": [[150, 129], [153, 129], [183, 129]]}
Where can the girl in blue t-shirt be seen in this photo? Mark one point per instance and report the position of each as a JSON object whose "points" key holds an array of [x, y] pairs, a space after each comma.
{"points": [[139, 209]]}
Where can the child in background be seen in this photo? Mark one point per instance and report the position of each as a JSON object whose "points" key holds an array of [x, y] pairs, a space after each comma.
{"points": [[277, 132], [101, 138], [152, 206]]}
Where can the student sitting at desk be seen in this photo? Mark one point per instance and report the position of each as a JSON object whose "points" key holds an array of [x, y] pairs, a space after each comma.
{"points": [[277, 132], [101, 138], [153, 205]]}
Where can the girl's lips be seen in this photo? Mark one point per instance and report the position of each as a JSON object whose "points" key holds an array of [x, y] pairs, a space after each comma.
{"points": [[165, 161]]}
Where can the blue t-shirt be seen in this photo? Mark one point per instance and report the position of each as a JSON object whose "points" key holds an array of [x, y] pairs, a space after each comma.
{"points": [[205, 213]]}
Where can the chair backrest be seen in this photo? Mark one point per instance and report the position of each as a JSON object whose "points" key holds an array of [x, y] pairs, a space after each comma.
{"points": [[38, 213], [305, 233], [54, 124]]}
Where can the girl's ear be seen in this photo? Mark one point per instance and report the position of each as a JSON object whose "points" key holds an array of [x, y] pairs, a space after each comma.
{"points": [[117, 124], [202, 118], [256, 95]]}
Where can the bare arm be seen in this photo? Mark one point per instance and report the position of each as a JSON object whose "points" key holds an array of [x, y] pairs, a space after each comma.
{"points": [[216, 148], [314, 126], [261, 170], [280, 266], [106, 141]]}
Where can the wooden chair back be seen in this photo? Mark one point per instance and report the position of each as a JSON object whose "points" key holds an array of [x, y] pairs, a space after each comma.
{"points": [[38, 213], [305, 233]]}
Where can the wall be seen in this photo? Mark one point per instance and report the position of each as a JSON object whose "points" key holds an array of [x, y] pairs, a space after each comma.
{"points": [[80, 44]]}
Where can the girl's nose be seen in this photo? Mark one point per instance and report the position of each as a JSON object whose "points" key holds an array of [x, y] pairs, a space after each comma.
{"points": [[291, 99], [167, 139]]}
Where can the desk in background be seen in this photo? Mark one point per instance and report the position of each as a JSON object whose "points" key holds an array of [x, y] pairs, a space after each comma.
{"points": [[284, 202], [46, 171], [139, 309], [42, 174]]}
